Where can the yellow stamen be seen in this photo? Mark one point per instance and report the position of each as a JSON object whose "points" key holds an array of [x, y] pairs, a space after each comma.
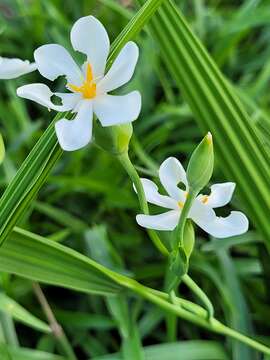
{"points": [[88, 88], [180, 204], [75, 88], [89, 73], [205, 199]]}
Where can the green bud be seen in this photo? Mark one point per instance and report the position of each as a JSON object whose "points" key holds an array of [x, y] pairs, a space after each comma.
{"points": [[201, 164], [2, 149], [114, 139], [189, 238]]}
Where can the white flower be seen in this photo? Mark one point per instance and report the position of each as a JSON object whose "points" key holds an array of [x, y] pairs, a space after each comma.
{"points": [[88, 84], [171, 173], [13, 68]]}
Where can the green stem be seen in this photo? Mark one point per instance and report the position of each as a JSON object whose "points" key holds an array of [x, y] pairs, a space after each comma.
{"points": [[127, 164], [200, 293], [183, 308], [214, 325], [178, 234], [131, 171], [142, 155]]}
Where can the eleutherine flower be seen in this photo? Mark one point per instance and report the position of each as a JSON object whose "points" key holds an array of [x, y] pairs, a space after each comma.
{"points": [[171, 174], [88, 85], [11, 68]]}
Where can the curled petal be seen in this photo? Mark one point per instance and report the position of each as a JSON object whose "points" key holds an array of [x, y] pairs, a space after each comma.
{"points": [[171, 173], [13, 68], [115, 110], [41, 94], [221, 227], [221, 194], [90, 37], [234, 224], [54, 60], [122, 69], [164, 222], [152, 195], [75, 134]]}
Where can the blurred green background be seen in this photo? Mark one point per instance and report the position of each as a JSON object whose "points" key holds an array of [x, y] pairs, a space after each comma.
{"points": [[89, 197]]}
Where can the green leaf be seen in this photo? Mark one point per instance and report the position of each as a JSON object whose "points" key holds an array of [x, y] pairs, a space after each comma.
{"points": [[19, 313], [12, 353], [36, 258], [241, 155], [185, 350], [2, 149]]}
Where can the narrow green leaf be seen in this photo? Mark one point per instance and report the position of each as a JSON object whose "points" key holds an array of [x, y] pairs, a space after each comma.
{"points": [[36, 258], [186, 350], [19, 313], [2, 149], [12, 353]]}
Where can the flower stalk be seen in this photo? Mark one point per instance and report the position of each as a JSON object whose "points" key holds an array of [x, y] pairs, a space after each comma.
{"points": [[132, 172]]}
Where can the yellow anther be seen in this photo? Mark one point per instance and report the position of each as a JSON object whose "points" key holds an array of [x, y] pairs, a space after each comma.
{"points": [[205, 199], [88, 88], [180, 204]]}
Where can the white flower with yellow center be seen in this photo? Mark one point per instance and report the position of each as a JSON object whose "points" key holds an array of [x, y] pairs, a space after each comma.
{"points": [[171, 174], [88, 85], [11, 68]]}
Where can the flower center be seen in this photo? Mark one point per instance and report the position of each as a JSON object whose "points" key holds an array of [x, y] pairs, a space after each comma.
{"points": [[182, 203], [205, 199], [88, 87]]}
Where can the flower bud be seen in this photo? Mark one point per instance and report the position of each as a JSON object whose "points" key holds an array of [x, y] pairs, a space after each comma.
{"points": [[201, 164], [114, 139], [189, 238]]}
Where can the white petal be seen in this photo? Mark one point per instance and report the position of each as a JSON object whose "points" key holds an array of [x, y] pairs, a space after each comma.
{"points": [[152, 195], [221, 227], [41, 94], [221, 194], [114, 110], [90, 37], [166, 221], [234, 224], [54, 60], [13, 68], [171, 173], [122, 69], [201, 213], [75, 134]]}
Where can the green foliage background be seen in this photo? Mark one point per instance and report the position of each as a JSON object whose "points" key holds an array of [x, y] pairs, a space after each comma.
{"points": [[88, 203]]}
